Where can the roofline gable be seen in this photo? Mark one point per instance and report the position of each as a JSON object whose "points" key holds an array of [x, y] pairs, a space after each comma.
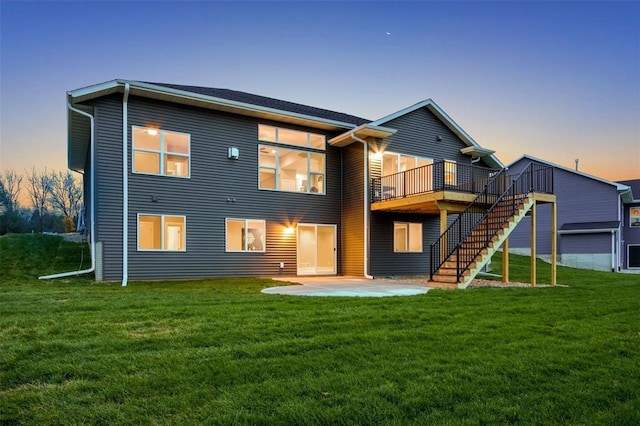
{"points": [[154, 91], [445, 119], [620, 187]]}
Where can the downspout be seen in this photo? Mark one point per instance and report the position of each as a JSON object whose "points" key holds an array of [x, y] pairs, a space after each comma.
{"points": [[92, 203], [366, 204], [125, 189]]}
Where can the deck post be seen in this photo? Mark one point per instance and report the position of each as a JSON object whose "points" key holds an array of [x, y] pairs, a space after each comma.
{"points": [[533, 244], [443, 229], [554, 242], [505, 261]]}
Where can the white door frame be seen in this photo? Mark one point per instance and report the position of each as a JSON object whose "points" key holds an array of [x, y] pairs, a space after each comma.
{"points": [[314, 270]]}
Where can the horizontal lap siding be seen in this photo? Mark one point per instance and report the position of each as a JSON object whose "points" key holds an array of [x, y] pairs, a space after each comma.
{"points": [[203, 199], [416, 135], [387, 262], [352, 235], [108, 185], [585, 243], [578, 199]]}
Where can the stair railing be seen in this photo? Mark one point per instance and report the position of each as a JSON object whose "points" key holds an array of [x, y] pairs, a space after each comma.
{"points": [[472, 231]]}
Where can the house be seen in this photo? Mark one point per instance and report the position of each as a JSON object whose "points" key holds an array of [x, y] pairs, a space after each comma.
{"points": [[598, 220], [185, 182]]}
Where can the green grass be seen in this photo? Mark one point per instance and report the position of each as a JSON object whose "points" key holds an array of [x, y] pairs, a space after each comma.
{"points": [[220, 352]]}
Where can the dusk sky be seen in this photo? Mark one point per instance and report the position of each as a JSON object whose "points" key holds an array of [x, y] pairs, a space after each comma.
{"points": [[556, 80]]}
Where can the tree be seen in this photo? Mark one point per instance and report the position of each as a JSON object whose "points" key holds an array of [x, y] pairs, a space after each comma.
{"points": [[10, 220], [66, 196], [10, 189], [39, 187]]}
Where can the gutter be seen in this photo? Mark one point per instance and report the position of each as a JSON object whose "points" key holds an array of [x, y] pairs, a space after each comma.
{"points": [[125, 189], [366, 203], [92, 175]]}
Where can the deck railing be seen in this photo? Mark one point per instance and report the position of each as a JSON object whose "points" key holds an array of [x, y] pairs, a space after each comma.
{"points": [[443, 175], [503, 194]]}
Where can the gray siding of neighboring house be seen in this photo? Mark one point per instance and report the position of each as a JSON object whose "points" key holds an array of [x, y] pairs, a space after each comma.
{"points": [[631, 235], [352, 235], [202, 198], [416, 135], [579, 199]]}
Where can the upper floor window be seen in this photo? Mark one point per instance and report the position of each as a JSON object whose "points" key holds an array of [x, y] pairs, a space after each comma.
{"points": [[450, 168], [161, 152], [290, 137], [294, 170]]}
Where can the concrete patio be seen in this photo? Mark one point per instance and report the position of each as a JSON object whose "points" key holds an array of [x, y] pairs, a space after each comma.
{"points": [[346, 287]]}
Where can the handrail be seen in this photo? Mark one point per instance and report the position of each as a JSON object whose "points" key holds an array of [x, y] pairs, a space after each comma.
{"points": [[475, 227], [438, 176]]}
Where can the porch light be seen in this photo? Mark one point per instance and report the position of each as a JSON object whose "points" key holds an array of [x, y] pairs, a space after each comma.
{"points": [[289, 230], [376, 155]]}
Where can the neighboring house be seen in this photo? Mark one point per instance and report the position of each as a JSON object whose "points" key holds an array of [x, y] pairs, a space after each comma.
{"points": [[594, 220], [186, 182], [631, 225]]}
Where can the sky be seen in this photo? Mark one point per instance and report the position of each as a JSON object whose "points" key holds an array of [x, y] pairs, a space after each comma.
{"points": [[556, 80]]}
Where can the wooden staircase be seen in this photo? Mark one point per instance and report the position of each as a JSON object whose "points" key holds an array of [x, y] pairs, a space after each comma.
{"points": [[481, 229], [476, 245]]}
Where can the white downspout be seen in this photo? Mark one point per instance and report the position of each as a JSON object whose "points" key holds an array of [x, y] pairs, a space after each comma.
{"points": [[125, 189], [92, 203], [366, 204]]}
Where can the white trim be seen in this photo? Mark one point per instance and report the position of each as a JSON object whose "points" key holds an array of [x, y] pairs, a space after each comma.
{"points": [[142, 89], [162, 224], [308, 136], [588, 231], [246, 227], [92, 204], [335, 248], [125, 186]]}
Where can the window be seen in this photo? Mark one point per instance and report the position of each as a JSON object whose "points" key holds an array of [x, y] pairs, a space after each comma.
{"points": [[161, 152], [450, 173], [245, 235], [285, 169], [407, 237], [161, 233], [290, 137], [413, 182]]}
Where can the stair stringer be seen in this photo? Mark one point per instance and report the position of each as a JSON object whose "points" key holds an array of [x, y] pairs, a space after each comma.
{"points": [[481, 260]]}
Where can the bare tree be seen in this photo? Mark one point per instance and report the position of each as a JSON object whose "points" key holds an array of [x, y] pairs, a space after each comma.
{"points": [[10, 183], [66, 196], [39, 187]]}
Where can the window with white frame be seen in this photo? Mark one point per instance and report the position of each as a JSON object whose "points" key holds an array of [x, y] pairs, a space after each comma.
{"points": [[245, 235], [288, 169], [161, 152], [408, 183], [407, 237], [450, 172], [291, 137], [161, 232]]}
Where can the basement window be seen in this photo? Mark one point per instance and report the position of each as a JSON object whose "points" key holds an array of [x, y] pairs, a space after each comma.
{"points": [[161, 233], [407, 237], [245, 235]]}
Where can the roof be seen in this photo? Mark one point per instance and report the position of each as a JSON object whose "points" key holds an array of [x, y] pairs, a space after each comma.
{"points": [[620, 187], [634, 190], [589, 227], [491, 159], [249, 98], [247, 104]]}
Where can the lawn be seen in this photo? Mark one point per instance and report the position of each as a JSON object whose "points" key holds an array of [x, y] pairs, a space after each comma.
{"points": [[220, 352]]}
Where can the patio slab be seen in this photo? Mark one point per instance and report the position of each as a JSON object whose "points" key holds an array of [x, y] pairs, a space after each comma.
{"points": [[346, 287]]}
